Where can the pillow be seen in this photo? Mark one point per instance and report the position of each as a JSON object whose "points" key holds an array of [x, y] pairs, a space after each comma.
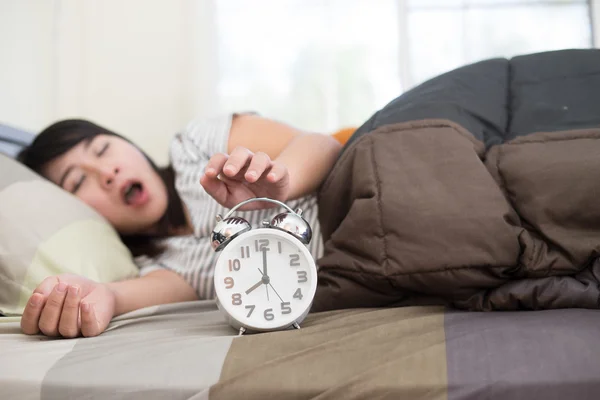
{"points": [[47, 231], [342, 135], [12, 140]]}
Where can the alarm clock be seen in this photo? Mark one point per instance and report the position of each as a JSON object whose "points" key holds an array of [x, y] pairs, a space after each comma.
{"points": [[265, 278]]}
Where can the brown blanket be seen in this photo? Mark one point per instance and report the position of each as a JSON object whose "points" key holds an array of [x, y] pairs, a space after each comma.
{"points": [[420, 213]]}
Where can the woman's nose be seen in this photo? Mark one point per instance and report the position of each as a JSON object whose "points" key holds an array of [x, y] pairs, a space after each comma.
{"points": [[108, 175]]}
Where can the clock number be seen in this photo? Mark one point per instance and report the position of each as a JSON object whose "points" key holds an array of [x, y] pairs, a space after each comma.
{"points": [[294, 260], [261, 244], [279, 247], [236, 299], [234, 265], [285, 308], [245, 251], [251, 308], [298, 294], [269, 316], [228, 282], [302, 276]]}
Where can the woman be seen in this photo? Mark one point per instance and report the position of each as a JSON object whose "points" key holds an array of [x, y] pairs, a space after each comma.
{"points": [[165, 215]]}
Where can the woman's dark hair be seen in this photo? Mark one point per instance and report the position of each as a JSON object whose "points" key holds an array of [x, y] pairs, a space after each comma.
{"points": [[62, 136]]}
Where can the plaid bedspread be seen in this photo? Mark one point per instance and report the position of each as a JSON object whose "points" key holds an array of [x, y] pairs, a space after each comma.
{"points": [[186, 351]]}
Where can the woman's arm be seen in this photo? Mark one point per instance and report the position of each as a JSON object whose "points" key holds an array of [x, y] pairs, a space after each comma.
{"points": [[157, 287], [307, 156], [70, 305]]}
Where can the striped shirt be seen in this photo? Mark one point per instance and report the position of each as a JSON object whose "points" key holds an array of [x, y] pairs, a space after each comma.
{"points": [[192, 256]]}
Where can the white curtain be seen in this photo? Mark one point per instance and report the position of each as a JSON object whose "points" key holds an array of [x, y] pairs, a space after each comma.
{"points": [[330, 63], [146, 67]]}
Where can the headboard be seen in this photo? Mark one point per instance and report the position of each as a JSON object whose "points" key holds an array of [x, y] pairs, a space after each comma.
{"points": [[12, 140]]}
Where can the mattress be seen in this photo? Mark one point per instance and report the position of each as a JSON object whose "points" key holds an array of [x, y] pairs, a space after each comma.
{"points": [[187, 351]]}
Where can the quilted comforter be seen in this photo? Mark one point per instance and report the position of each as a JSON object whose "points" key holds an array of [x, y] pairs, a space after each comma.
{"points": [[478, 189]]}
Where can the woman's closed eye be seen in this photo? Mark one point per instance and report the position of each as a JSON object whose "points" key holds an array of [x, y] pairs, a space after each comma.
{"points": [[103, 149], [78, 183]]}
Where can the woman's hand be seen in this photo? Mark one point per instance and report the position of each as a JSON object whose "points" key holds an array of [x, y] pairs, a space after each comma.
{"points": [[231, 179], [68, 306]]}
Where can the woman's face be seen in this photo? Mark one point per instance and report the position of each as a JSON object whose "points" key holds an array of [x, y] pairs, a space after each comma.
{"points": [[113, 176]]}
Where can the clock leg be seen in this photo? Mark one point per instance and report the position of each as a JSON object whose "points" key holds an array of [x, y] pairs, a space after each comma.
{"points": [[296, 325], [242, 331]]}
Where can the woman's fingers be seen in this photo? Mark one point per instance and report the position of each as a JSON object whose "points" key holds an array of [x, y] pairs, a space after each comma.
{"points": [[237, 160], [52, 309], [215, 188], [31, 314], [89, 323], [215, 165], [33, 310], [241, 175], [69, 319], [240, 161], [47, 285], [260, 162], [277, 173]]}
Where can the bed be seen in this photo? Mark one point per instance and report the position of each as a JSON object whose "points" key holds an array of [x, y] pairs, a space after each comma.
{"points": [[186, 351], [370, 335]]}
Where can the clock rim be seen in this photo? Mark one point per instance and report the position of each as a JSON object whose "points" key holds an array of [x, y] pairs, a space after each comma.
{"points": [[225, 308]]}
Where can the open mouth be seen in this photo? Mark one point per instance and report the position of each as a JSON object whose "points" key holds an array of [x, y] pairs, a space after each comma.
{"points": [[134, 194]]}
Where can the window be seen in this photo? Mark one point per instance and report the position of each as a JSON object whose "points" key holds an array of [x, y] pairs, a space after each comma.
{"points": [[444, 34], [326, 64]]}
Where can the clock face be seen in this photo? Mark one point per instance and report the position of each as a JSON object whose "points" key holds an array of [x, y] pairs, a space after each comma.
{"points": [[265, 279]]}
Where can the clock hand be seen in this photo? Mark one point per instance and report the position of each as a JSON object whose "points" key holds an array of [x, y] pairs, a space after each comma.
{"points": [[254, 287], [265, 262], [265, 279], [276, 292], [267, 287]]}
